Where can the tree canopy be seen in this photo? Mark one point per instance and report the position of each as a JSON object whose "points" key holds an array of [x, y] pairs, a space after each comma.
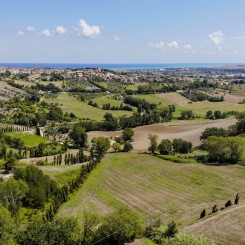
{"points": [[78, 135]]}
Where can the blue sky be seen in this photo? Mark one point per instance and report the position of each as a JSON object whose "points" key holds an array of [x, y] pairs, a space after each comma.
{"points": [[122, 31]]}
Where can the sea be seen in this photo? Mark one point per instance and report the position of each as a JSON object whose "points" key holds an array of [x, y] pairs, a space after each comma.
{"points": [[117, 66]]}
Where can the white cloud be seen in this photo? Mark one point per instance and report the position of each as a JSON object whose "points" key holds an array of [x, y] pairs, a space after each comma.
{"points": [[187, 47], [30, 29], [87, 30], [46, 33], [160, 45], [60, 30], [116, 38], [217, 38], [20, 34], [173, 45]]}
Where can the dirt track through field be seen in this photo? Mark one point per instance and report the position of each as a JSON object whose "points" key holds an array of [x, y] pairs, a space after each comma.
{"points": [[185, 130]]}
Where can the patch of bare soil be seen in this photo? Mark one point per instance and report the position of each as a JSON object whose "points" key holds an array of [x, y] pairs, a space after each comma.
{"points": [[233, 99], [226, 227], [190, 132], [5, 176]]}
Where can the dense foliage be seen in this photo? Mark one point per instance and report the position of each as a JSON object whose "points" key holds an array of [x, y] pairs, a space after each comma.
{"points": [[224, 150]]}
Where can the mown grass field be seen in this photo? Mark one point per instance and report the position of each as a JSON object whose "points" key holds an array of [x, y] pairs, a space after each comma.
{"points": [[155, 188], [30, 140], [225, 227], [81, 109]]}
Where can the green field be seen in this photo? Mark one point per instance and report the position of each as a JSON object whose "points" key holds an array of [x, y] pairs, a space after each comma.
{"points": [[101, 100], [30, 140], [199, 108], [81, 109], [154, 98], [62, 173], [133, 87], [25, 83], [155, 188], [56, 83]]}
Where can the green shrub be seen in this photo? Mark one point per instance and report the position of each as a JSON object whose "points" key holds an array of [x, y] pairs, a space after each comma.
{"points": [[176, 159]]}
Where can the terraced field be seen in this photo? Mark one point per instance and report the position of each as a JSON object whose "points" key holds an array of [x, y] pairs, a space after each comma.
{"points": [[155, 188]]}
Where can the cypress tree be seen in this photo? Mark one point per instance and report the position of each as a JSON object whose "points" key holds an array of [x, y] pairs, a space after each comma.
{"points": [[203, 214], [237, 199]]}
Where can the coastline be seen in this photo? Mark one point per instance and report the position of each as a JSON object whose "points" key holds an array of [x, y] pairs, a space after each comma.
{"points": [[119, 66]]}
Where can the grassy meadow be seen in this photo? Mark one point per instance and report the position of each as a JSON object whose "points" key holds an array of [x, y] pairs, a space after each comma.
{"points": [[101, 100], [82, 109], [62, 174], [238, 89], [155, 188], [199, 108], [30, 140]]}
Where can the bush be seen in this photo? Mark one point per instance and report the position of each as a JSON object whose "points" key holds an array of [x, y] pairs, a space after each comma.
{"points": [[187, 115], [214, 131], [187, 239], [41, 163], [119, 226], [222, 149], [165, 147], [127, 146], [9, 164], [172, 230], [116, 147], [181, 146], [176, 159], [215, 209], [127, 134]]}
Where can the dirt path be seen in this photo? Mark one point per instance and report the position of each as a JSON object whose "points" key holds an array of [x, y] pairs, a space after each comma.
{"points": [[182, 129]]}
